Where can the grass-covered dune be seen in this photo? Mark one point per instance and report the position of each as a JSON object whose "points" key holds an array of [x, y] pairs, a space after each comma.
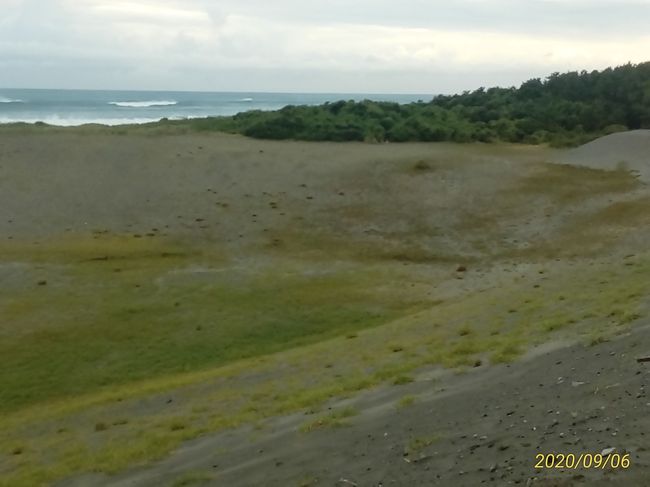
{"points": [[158, 288]]}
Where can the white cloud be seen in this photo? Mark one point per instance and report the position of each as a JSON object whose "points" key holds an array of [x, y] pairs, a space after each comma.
{"points": [[147, 11], [202, 44]]}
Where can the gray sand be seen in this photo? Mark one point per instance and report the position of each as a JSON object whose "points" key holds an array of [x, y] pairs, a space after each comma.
{"points": [[505, 208], [625, 150], [485, 428]]}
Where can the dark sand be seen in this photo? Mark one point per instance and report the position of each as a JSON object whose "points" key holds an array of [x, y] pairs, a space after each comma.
{"points": [[624, 150], [485, 428], [426, 208]]}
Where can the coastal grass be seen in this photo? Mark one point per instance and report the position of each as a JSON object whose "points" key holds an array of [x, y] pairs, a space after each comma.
{"points": [[406, 401], [119, 312], [52, 435], [419, 443], [192, 479], [335, 419]]}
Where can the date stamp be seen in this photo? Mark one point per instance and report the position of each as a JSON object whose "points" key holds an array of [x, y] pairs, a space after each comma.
{"points": [[573, 461]]}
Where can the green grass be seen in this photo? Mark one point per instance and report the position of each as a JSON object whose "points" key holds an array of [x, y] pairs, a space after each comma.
{"points": [[419, 443], [335, 419], [56, 435], [92, 327], [401, 380], [406, 401], [507, 352], [192, 479], [307, 481]]}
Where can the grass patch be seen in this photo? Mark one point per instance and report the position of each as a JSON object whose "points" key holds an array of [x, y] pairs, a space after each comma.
{"points": [[296, 379], [335, 419], [307, 481], [506, 353], [402, 380], [192, 479], [406, 401], [419, 443], [573, 183], [464, 331], [92, 328]]}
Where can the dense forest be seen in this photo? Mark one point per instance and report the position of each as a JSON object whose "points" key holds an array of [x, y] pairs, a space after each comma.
{"points": [[563, 109]]}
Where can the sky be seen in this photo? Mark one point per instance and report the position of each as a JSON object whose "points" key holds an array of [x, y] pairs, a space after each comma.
{"points": [[333, 46]]}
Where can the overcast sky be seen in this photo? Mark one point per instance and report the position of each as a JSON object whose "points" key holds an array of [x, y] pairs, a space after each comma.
{"points": [[370, 46]]}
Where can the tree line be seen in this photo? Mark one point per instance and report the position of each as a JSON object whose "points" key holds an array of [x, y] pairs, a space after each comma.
{"points": [[561, 110]]}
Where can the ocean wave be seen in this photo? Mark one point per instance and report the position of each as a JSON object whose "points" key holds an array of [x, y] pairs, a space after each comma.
{"points": [[143, 104], [10, 100], [75, 122], [245, 99]]}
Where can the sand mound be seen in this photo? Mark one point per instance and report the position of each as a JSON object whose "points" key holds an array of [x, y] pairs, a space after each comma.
{"points": [[623, 150]]}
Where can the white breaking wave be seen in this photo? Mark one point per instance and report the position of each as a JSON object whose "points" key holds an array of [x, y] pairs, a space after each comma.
{"points": [[73, 122], [246, 99], [143, 104], [9, 100]]}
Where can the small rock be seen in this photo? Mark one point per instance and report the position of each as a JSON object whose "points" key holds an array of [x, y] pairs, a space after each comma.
{"points": [[607, 451]]}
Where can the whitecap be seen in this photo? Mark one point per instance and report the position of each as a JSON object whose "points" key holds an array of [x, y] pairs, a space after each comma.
{"points": [[143, 104], [10, 100], [74, 122], [245, 99]]}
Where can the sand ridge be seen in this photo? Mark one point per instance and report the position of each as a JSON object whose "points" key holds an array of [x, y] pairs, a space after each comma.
{"points": [[482, 428], [474, 250], [628, 151]]}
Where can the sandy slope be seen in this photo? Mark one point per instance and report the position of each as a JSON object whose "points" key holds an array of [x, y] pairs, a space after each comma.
{"points": [[504, 211], [623, 150], [484, 428]]}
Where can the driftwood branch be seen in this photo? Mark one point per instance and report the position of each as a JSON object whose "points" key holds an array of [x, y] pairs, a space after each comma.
{"points": [[643, 359]]}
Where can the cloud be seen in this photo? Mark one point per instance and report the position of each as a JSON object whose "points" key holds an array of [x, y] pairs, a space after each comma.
{"points": [[320, 46]]}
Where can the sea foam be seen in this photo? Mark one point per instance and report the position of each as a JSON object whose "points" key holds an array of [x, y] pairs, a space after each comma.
{"points": [[9, 100], [143, 104], [75, 122]]}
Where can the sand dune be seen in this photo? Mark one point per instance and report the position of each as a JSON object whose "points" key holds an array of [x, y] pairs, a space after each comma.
{"points": [[290, 306], [624, 150]]}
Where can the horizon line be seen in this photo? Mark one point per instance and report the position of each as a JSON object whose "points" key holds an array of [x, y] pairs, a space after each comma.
{"points": [[227, 91]]}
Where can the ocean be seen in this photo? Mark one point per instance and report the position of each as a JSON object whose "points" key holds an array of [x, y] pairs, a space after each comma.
{"points": [[77, 107]]}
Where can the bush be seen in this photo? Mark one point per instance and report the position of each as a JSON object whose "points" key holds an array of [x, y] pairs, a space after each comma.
{"points": [[563, 110]]}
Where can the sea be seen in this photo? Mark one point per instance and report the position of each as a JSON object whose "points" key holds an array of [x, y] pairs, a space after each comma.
{"points": [[78, 107]]}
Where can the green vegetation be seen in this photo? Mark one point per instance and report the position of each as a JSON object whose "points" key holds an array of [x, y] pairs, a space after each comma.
{"points": [[307, 481], [563, 110], [406, 401], [113, 313], [401, 380], [419, 443], [333, 420], [193, 479], [133, 346], [56, 438]]}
